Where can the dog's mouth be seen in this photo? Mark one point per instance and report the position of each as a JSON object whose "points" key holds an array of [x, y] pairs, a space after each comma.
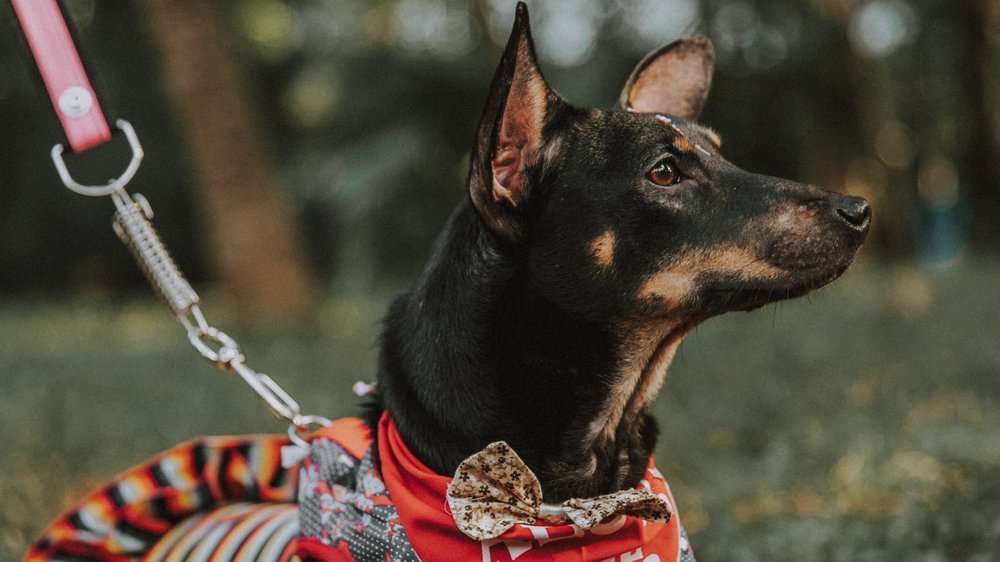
{"points": [[741, 279], [721, 295], [794, 262]]}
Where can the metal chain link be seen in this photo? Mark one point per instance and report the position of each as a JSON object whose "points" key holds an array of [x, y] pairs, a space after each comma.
{"points": [[133, 226]]}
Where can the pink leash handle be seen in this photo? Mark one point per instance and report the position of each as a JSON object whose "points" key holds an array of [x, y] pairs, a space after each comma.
{"points": [[72, 95]]}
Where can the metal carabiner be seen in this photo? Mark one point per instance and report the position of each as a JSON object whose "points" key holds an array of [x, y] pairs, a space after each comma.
{"points": [[115, 184], [301, 426]]}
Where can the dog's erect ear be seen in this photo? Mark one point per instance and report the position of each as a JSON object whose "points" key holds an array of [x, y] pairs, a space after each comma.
{"points": [[509, 140], [674, 79]]}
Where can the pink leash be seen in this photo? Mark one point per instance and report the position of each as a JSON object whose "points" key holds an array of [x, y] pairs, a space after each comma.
{"points": [[58, 61]]}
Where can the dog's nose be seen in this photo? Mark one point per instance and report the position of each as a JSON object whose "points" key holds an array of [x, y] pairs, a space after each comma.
{"points": [[855, 211]]}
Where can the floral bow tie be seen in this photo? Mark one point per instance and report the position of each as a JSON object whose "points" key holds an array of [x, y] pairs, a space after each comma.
{"points": [[493, 490]]}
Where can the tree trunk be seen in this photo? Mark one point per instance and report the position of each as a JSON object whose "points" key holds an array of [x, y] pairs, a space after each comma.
{"points": [[253, 236], [983, 158]]}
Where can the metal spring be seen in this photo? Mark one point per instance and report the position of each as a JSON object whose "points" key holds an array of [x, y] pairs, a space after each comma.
{"points": [[133, 227]]}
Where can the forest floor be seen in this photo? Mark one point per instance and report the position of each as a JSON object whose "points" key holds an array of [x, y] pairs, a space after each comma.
{"points": [[860, 423]]}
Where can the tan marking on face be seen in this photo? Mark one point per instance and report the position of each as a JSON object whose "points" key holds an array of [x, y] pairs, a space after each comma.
{"points": [[682, 144], [669, 286], [652, 345], [652, 348], [792, 219], [603, 249], [784, 220], [672, 285]]}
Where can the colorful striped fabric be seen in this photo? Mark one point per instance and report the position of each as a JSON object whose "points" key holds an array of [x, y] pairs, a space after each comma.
{"points": [[230, 500], [235, 533], [210, 499]]}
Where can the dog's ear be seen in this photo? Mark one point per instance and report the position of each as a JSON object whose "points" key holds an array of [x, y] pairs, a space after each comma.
{"points": [[510, 136], [674, 79]]}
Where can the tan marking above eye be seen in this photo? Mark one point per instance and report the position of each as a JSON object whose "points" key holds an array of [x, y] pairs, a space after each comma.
{"points": [[683, 144], [603, 249]]}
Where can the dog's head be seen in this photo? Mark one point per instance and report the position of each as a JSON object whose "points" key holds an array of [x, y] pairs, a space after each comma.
{"points": [[634, 212]]}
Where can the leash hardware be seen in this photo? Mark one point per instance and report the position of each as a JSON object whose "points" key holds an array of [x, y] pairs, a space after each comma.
{"points": [[277, 400], [116, 184], [225, 355], [66, 81], [132, 225], [217, 347], [302, 426], [228, 357]]}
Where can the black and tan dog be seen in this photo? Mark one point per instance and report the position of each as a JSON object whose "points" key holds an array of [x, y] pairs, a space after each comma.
{"points": [[591, 243]]}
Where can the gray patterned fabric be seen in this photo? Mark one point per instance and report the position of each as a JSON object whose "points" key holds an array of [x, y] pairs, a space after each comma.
{"points": [[343, 503]]}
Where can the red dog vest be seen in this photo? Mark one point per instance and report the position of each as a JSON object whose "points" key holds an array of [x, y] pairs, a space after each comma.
{"points": [[222, 497]]}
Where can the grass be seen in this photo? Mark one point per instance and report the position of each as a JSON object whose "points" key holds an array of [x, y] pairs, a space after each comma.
{"points": [[862, 423]]}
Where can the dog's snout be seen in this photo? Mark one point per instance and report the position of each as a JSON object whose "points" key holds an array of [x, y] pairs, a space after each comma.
{"points": [[855, 211]]}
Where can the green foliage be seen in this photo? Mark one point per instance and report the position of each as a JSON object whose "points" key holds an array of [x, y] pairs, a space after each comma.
{"points": [[371, 107], [857, 424]]}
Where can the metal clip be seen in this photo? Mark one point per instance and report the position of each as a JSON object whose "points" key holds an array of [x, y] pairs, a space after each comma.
{"points": [[225, 355], [115, 184], [301, 426]]}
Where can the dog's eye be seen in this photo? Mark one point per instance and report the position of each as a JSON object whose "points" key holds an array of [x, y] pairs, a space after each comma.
{"points": [[664, 174]]}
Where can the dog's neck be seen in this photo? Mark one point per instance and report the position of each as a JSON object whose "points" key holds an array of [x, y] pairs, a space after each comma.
{"points": [[472, 355]]}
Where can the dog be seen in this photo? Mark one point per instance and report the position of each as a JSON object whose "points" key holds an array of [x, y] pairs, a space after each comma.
{"points": [[525, 357]]}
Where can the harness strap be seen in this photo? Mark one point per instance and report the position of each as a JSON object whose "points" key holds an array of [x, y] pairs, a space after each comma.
{"points": [[65, 79]]}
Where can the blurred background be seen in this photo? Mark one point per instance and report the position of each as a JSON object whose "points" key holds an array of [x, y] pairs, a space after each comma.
{"points": [[301, 156]]}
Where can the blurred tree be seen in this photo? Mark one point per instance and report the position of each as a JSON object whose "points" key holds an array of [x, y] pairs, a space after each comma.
{"points": [[255, 243], [372, 106], [982, 21]]}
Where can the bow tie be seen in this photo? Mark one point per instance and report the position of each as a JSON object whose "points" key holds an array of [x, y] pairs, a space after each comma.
{"points": [[493, 490]]}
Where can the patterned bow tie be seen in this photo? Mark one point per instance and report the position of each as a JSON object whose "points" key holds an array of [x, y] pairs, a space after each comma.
{"points": [[493, 490]]}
